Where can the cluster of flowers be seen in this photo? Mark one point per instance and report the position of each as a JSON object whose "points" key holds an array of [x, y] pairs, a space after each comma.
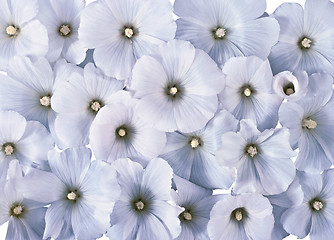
{"points": [[172, 110]]}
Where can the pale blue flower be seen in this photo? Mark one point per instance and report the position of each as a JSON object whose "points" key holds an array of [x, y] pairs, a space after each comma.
{"points": [[61, 19], [77, 101], [197, 203], [27, 141], [225, 28], [249, 93], [315, 215], [305, 38], [310, 121], [177, 86], [118, 132], [121, 31], [81, 193], [241, 217], [292, 86], [143, 211], [29, 86], [25, 217], [21, 34], [192, 155], [262, 159]]}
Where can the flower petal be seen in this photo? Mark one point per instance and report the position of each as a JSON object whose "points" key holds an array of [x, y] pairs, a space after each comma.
{"points": [[297, 220]]}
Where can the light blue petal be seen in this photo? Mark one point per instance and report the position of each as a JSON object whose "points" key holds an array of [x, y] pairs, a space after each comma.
{"points": [[201, 67], [87, 222], [35, 143], [181, 166], [34, 222], [322, 226], [186, 234], [100, 186], [318, 16], [70, 165], [328, 184], [207, 173], [222, 51], [290, 17], [199, 113], [16, 230], [297, 220], [311, 184], [231, 229], [248, 130], [312, 156], [190, 192], [293, 196], [168, 215], [158, 179], [13, 126], [231, 152], [255, 37], [36, 186], [259, 228], [130, 175], [58, 220], [285, 57], [223, 122], [73, 129], [291, 116], [248, 178], [278, 232], [200, 36], [152, 227], [118, 53]]}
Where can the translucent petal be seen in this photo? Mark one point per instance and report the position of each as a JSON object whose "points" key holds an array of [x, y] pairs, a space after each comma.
{"points": [[36, 186], [290, 17], [255, 37], [34, 222], [157, 178], [70, 165], [297, 220], [58, 220], [16, 230], [10, 120]]}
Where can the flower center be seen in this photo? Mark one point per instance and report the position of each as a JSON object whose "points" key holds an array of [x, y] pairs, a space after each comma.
{"points": [[121, 132], [220, 33], [128, 32], [317, 205], [247, 92], [252, 151], [309, 124], [238, 215], [194, 143], [18, 210], [8, 148], [65, 30], [289, 89], [11, 30], [72, 196], [140, 205], [45, 101], [95, 106], [173, 91], [187, 216], [306, 43]]}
